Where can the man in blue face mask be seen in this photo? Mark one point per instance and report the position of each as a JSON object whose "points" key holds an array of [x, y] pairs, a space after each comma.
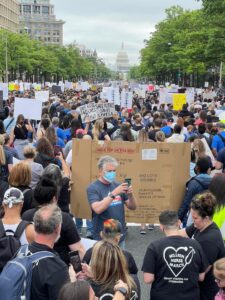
{"points": [[107, 197]]}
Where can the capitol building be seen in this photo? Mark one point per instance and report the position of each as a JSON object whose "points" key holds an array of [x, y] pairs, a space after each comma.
{"points": [[122, 62]]}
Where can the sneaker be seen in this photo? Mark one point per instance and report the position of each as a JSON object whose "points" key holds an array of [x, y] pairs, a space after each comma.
{"points": [[89, 235], [142, 231], [151, 227]]}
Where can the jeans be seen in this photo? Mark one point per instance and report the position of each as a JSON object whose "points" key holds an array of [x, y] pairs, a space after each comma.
{"points": [[79, 224]]}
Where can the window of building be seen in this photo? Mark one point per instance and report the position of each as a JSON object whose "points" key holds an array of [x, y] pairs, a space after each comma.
{"points": [[27, 8], [45, 10], [37, 9]]}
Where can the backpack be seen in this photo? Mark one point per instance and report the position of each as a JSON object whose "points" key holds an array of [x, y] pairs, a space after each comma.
{"points": [[10, 244], [16, 277]]}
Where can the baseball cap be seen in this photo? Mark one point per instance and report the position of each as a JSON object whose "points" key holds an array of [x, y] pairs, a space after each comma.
{"points": [[12, 196]]}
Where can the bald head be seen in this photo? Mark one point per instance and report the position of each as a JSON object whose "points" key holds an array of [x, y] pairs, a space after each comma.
{"points": [[47, 219]]}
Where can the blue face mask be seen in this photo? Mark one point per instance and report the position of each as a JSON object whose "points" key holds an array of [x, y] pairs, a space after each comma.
{"points": [[110, 176]]}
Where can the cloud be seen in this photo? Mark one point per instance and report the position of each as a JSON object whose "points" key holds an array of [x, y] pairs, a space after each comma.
{"points": [[104, 25]]}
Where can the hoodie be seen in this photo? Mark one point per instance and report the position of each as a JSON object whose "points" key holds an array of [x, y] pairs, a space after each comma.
{"points": [[194, 186]]}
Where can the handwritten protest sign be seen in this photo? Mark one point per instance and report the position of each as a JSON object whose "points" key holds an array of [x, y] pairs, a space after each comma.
{"points": [[178, 101], [56, 89], [126, 99], [95, 111], [30, 108], [42, 95], [5, 90], [151, 166]]}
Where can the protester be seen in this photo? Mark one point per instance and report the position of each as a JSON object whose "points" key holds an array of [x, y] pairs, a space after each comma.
{"points": [[20, 177], [218, 141], [112, 230], [107, 266], [11, 224], [164, 258], [177, 136], [219, 274], [217, 188], [36, 169], [21, 134], [107, 197], [206, 232], [47, 225], [45, 193], [194, 186], [6, 160]]}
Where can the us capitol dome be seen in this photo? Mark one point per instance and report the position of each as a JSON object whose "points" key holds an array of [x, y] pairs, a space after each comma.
{"points": [[122, 61]]}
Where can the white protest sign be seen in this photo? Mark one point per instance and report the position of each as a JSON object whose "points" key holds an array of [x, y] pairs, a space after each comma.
{"points": [[27, 86], [30, 108], [190, 95], [209, 95], [42, 95], [94, 111], [126, 99], [5, 89], [21, 87], [68, 85], [208, 151], [84, 86]]}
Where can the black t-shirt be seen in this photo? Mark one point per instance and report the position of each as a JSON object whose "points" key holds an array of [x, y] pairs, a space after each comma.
{"points": [[176, 263], [107, 294], [28, 201], [64, 196], [20, 132], [212, 244], [68, 234], [48, 276], [152, 134], [132, 267]]}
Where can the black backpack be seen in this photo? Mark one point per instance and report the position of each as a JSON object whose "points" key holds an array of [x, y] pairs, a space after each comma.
{"points": [[10, 244]]}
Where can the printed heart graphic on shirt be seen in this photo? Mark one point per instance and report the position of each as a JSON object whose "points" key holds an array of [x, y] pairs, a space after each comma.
{"points": [[178, 258]]}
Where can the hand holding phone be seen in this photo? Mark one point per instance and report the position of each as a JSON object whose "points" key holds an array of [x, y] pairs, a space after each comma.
{"points": [[75, 261], [128, 181]]}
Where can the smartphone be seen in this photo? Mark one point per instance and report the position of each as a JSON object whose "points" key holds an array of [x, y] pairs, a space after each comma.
{"points": [[75, 261], [128, 181]]}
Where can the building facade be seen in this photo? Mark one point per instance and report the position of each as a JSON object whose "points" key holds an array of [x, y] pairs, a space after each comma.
{"points": [[122, 61], [9, 15], [37, 18]]}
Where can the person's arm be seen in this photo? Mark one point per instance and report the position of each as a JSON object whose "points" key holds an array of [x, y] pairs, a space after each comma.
{"points": [[118, 295], [107, 138], [78, 247], [65, 167], [149, 278], [100, 206], [191, 191], [131, 203], [201, 277], [29, 126]]}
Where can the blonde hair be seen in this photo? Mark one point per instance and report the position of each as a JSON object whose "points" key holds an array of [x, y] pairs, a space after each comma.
{"points": [[219, 269], [199, 148], [108, 265], [97, 129], [2, 152], [20, 175], [160, 136]]}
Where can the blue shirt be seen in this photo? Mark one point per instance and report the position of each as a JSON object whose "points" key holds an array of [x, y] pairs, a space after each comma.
{"points": [[97, 191], [217, 142]]}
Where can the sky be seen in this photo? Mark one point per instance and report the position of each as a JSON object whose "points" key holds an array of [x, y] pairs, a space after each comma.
{"points": [[105, 25]]}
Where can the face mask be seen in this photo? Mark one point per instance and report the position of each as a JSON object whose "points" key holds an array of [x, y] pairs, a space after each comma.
{"points": [[110, 176]]}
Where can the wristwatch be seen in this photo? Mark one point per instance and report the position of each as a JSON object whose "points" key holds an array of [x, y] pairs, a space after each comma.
{"points": [[122, 290], [111, 195]]}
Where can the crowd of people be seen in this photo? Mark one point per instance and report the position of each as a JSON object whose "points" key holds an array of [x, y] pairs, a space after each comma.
{"points": [[35, 184]]}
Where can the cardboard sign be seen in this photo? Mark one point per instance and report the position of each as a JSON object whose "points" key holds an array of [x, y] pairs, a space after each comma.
{"points": [[95, 111], [56, 89], [43, 96], [4, 88], [178, 101], [158, 171], [126, 99], [30, 108]]}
